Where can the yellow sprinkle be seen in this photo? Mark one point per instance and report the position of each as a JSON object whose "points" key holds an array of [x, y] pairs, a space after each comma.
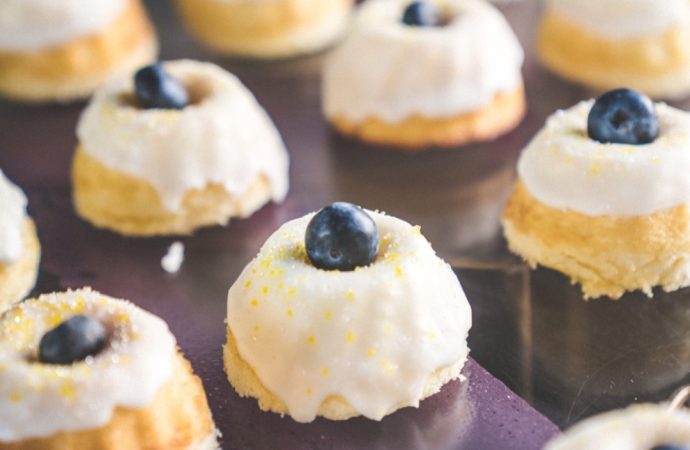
{"points": [[371, 352], [3, 366], [324, 372], [350, 294], [247, 284], [281, 286], [417, 229], [265, 290], [67, 391], [386, 365], [289, 313], [351, 337], [16, 397], [388, 328], [311, 340], [595, 170], [309, 391], [122, 318], [393, 257], [257, 328], [255, 302], [431, 335], [291, 292], [398, 272], [79, 305], [55, 319], [272, 273], [328, 315], [568, 160], [281, 272]]}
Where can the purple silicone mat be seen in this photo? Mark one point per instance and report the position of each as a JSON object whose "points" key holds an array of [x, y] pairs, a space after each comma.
{"points": [[455, 195]]}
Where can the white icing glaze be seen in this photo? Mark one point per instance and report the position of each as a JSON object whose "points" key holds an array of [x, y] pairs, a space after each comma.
{"points": [[639, 427], [621, 19], [225, 138], [39, 400], [391, 71], [373, 335], [563, 168], [12, 216], [27, 25]]}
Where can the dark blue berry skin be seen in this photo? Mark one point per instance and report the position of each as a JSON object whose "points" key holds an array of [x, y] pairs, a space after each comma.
{"points": [[422, 14], [668, 447], [72, 341], [623, 116], [157, 89], [341, 237]]}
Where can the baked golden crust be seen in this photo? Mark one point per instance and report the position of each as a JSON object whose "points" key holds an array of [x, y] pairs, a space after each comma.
{"points": [[606, 255], [110, 199], [416, 133], [17, 279], [177, 418], [658, 65], [78, 68], [247, 384], [275, 28]]}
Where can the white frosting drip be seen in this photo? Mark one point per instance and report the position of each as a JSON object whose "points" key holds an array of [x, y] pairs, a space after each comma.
{"points": [[12, 216], [620, 19], [392, 71], [227, 138], [639, 427], [39, 400], [27, 25], [563, 168], [373, 335]]}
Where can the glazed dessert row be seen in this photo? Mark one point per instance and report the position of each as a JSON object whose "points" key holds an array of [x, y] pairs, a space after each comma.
{"points": [[132, 173], [466, 85], [342, 313]]}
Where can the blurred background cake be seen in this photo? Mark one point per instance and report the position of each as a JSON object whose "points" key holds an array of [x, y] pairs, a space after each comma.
{"points": [[65, 50]]}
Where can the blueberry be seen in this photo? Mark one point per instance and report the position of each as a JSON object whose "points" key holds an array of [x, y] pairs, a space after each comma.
{"points": [[422, 14], [669, 447], [72, 341], [623, 116], [341, 237], [157, 89]]}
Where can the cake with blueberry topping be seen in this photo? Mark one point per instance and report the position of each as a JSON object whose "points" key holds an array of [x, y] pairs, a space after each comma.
{"points": [[267, 28], [80, 370], [641, 44], [343, 313], [64, 50], [178, 146], [19, 246], [604, 197], [417, 74]]}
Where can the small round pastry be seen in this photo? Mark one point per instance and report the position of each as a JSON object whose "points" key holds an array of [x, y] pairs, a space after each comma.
{"points": [[636, 43], [267, 28], [182, 145], [638, 427], [344, 313], [20, 250], [62, 51], [80, 370], [604, 197], [466, 84]]}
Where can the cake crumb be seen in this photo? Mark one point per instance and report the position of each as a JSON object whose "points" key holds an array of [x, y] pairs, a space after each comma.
{"points": [[173, 259]]}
